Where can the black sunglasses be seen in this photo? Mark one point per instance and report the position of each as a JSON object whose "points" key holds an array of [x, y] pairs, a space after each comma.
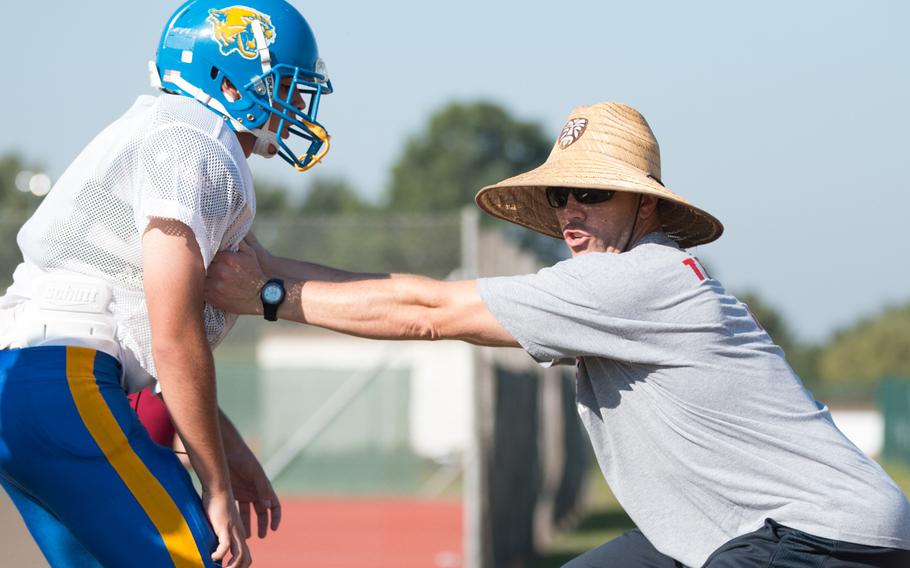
{"points": [[557, 197]]}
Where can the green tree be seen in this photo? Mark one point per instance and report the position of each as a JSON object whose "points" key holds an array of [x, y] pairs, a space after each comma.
{"points": [[324, 195], [272, 200], [464, 147], [15, 207], [12, 200], [333, 195], [871, 349]]}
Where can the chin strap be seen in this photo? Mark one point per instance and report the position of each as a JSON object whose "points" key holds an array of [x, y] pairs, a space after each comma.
{"points": [[634, 222], [265, 139]]}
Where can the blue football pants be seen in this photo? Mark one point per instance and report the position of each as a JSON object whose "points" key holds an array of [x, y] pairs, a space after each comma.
{"points": [[89, 482]]}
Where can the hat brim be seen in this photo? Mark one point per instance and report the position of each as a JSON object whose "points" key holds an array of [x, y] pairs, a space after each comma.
{"points": [[522, 199]]}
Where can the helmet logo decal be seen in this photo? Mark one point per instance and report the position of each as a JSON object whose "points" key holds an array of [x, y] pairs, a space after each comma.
{"points": [[572, 131], [233, 31]]}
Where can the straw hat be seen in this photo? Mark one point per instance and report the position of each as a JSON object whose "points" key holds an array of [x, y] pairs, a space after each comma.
{"points": [[603, 146]]}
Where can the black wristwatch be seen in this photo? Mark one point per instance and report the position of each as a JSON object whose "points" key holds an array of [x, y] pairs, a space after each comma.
{"points": [[272, 294]]}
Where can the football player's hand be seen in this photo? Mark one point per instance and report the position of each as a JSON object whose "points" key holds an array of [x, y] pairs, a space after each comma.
{"points": [[252, 489], [222, 512]]}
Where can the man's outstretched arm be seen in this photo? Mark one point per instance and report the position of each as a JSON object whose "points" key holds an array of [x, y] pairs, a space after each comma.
{"points": [[386, 306], [291, 269]]}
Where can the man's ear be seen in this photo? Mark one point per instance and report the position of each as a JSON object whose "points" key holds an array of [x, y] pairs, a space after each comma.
{"points": [[648, 207]]}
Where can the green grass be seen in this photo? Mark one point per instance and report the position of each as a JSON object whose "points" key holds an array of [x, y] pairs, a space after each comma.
{"points": [[606, 520], [900, 473]]}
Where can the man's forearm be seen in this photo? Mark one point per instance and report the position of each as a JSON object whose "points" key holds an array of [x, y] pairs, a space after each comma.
{"points": [[377, 309], [403, 307], [290, 269]]}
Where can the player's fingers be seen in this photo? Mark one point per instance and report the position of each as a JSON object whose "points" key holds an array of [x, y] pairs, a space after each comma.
{"points": [[240, 555], [236, 560], [276, 515], [262, 517], [245, 517], [275, 509], [268, 506], [224, 545]]}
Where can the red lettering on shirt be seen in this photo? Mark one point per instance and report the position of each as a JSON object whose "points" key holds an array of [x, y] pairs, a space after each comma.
{"points": [[690, 262]]}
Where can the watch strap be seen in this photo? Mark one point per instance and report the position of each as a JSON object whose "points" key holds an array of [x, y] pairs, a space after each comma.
{"points": [[270, 311]]}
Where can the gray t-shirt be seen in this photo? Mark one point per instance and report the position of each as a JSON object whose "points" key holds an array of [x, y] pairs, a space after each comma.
{"points": [[700, 427]]}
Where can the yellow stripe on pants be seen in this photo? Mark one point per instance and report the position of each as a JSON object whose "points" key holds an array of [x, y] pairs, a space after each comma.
{"points": [[103, 427]]}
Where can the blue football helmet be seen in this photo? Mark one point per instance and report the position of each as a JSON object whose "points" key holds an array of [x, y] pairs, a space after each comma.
{"points": [[267, 51]]}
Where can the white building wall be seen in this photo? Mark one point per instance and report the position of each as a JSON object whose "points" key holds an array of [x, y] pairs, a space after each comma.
{"points": [[440, 386], [864, 427]]}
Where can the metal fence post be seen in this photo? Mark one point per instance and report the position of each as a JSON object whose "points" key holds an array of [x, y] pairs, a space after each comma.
{"points": [[476, 548]]}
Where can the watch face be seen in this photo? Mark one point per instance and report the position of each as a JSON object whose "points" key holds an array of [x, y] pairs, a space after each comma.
{"points": [[272, 293]]}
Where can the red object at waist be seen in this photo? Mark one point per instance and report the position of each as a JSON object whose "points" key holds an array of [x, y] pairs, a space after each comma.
{"points": [[154, 416]]}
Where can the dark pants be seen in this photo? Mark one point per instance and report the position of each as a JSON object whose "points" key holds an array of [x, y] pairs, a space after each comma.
{"points": [[772, 546]]}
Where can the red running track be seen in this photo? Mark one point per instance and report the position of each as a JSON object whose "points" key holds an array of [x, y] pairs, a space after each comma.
{"points": [[363, 533]]}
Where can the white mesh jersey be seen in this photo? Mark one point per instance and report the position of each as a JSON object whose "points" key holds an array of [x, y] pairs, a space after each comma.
{"points": [[168, 156]]}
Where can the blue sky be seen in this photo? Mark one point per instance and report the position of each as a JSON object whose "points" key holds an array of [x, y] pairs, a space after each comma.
{"points": [[786, 120]]}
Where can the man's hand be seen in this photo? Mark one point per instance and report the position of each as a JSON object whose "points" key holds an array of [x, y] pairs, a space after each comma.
{"points": [[265, 258], [233, 281], [249, 482]]}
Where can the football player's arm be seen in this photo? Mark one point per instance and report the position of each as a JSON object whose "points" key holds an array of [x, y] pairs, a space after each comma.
{"points": [[174, 275], [402, 306]]}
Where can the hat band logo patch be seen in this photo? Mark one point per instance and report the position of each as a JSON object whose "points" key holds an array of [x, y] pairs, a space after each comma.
{"points": [[572, 131]]}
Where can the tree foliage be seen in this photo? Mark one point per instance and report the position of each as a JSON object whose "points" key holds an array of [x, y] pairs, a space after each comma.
{"points": [[12, 200], [871, 349], [15, 208], [464, 147], [272, 200], [334, 196], [323, 196]]}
